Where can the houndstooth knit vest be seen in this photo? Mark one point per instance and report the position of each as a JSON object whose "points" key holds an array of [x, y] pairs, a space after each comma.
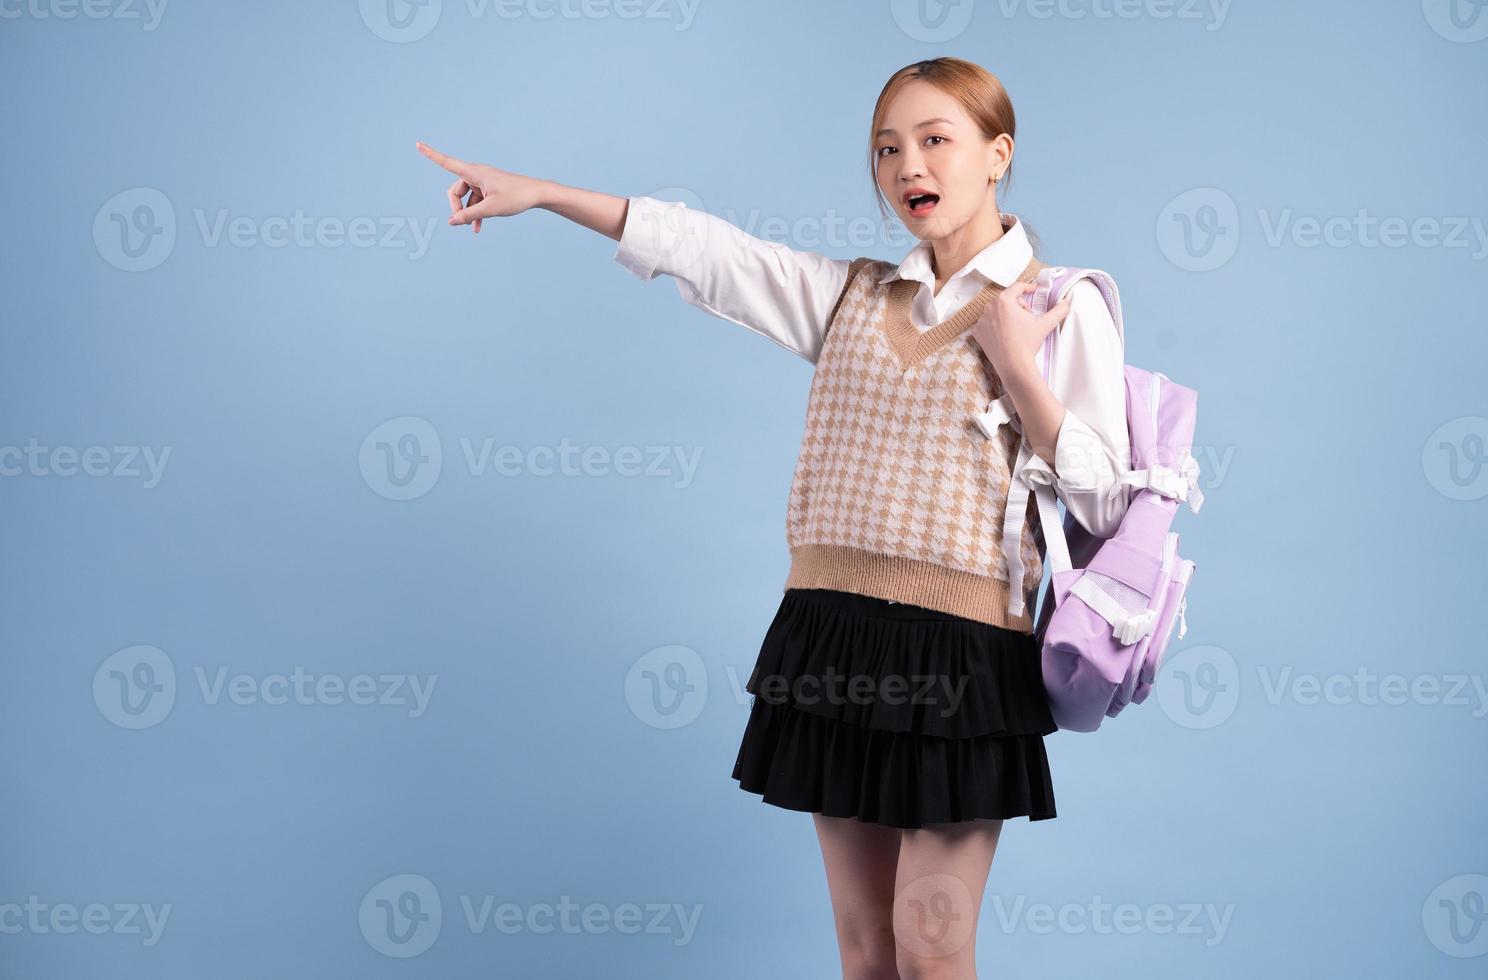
{"points": [[896, 492]]}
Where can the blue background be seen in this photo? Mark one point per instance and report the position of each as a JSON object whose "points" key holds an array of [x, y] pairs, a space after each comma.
{"points": [[1333, 540]]}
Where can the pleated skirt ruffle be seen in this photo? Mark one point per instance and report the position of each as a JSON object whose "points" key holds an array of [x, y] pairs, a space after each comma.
{"points": [[895, 714]]}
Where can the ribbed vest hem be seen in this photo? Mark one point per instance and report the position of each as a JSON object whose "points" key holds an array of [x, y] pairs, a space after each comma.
{"points": [[923, 583]]}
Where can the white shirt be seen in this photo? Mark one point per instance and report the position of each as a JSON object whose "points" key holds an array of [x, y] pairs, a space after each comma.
{"points": [[786, 295]]}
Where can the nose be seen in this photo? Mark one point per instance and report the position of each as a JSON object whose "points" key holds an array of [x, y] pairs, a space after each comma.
{"points": [[911, 164]]}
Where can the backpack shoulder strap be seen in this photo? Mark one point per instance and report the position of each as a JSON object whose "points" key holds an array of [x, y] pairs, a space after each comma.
{"points": [[1056, 283], [1051, 283]]}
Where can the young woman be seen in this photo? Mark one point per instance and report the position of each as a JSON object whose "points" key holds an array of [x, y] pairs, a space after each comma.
{"points": [[898, 693]]}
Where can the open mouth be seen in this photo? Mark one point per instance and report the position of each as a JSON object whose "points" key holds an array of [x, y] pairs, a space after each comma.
{"points": [[922, 204]]}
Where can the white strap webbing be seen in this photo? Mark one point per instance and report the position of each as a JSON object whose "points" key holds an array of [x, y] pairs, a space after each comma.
{"points": [[1020, 484], [1127, 627], [1180, 484]]}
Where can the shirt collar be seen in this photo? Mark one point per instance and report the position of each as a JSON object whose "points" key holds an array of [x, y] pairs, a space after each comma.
{"points": [[1000, 262]]}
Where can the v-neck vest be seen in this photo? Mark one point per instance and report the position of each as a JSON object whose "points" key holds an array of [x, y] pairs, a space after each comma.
{"points": [[896, 491]]}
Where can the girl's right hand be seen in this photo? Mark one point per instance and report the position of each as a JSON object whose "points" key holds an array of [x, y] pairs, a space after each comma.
{"points": [[493, 193]]}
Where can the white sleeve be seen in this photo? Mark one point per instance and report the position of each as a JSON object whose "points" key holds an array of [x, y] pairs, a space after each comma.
{"points": [[1093, 444], [777, 292]]}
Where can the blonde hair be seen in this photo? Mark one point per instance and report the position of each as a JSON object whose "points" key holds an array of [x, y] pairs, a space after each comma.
{"points": [[978, 90]]}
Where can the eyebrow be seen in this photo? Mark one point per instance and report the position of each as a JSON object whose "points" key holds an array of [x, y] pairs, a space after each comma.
{"points": [[927, 122]]}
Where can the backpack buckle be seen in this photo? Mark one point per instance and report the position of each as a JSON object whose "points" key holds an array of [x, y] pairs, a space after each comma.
{"points": [[1133, 628], [1169, 483], [999, 412]]}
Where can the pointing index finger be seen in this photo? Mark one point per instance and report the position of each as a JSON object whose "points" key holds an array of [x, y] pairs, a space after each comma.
{"points": [[452, 164]]}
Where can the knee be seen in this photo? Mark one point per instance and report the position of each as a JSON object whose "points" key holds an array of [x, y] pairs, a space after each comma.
{"points": [[868, 953], [878, 970], [913, 967]]}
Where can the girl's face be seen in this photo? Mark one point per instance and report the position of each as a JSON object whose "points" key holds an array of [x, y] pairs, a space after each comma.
{"points": [[929, 144]]}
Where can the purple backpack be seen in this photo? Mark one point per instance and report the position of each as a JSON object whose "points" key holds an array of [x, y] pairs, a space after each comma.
{"points": [[1111, 603]]}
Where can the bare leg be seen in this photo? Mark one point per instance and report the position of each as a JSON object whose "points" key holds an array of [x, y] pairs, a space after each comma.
{"points": [[938, 895], [861, 861]]}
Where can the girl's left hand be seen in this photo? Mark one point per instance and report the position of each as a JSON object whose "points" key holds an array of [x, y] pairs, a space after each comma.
{"points": [[1009, 334]]}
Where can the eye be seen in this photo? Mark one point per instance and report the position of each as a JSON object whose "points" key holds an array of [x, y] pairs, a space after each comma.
{"points": [[882, 148], [935, 138]]}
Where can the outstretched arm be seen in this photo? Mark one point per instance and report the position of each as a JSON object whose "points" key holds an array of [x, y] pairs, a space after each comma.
{"points": [[778, 292], [781, 293], [495, 193]]}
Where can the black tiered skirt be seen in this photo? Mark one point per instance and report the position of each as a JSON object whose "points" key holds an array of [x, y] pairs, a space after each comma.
{"points": [[895, 714]]}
